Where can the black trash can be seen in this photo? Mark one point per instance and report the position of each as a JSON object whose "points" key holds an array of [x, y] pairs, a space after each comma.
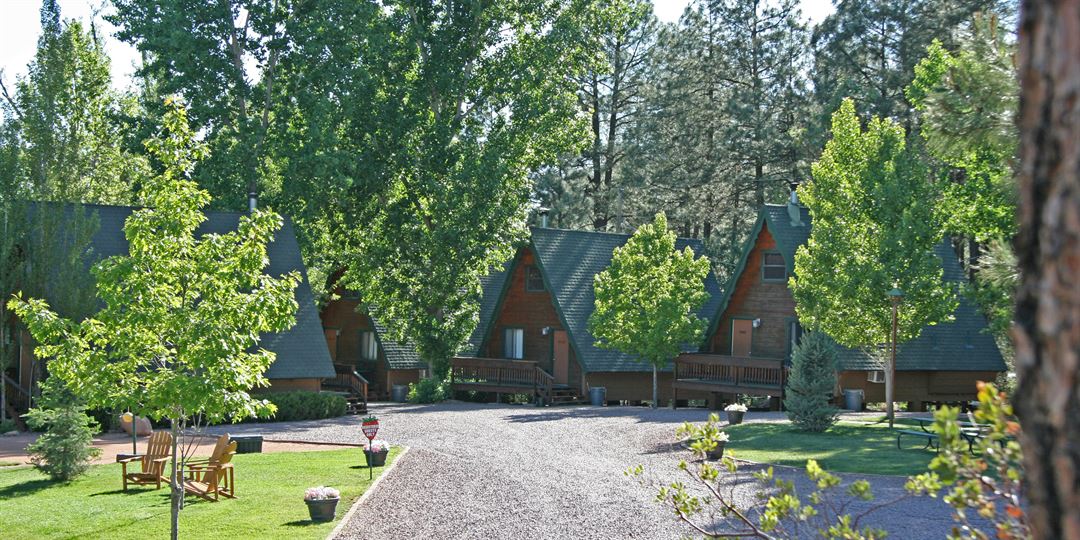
{"points": [[248, 444], [399, 393], [598, 396]]}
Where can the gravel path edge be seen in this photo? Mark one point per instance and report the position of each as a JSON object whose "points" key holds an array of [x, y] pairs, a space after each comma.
{"points": [[371, 489]]}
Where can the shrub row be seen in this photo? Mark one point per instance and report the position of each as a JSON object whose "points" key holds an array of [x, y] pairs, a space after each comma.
{"points": [[302, 405]]}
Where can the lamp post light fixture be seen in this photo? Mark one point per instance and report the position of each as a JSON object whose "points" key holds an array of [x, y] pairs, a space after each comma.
{"points": [[130, 419], [895, 297]]}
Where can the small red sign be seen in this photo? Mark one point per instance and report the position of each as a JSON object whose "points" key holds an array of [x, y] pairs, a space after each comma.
{"points": [[370, 426]]}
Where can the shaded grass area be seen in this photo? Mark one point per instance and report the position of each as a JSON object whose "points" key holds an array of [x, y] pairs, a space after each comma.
{"points": [[9, 463], [846, 447], [269, 504]]}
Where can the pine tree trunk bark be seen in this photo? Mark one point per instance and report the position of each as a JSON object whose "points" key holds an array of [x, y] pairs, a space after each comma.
{"points": [[1047, 333]]}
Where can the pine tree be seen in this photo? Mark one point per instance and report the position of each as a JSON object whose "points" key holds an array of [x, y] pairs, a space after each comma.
{"points": [[811, 383]]}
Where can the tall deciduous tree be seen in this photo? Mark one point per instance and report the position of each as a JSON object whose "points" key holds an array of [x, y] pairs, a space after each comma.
{"points": [[647, 299], [1048, 306], [875, 229], [182, 313], [477, 98]]}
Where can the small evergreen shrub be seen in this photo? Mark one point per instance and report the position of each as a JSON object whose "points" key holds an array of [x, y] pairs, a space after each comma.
{"points": [[811, 383], [8, 425], [305, 405], [64, 450], [429, 391]]}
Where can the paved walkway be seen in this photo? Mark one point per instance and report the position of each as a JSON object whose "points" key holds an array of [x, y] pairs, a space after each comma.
{"points": [[501, 471]]}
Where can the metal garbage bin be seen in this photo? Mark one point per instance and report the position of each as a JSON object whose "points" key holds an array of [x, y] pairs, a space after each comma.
{"points": [[598, 396], [248, 444], [853, 399], [399, 393]]}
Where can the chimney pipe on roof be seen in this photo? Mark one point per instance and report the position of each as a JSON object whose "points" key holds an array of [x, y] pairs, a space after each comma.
{"points": [[793, 207], [253, 202], [544, 217]]}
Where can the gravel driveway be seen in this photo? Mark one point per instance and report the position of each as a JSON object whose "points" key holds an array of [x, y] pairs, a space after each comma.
{"points": [[501, 471]]}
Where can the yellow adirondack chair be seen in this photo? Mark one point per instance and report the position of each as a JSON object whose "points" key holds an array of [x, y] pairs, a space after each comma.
{"points": [[158, 452], [220, 446], [213, 478]]}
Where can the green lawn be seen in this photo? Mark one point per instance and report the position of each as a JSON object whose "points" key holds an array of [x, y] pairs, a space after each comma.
{"points": [[269, 504], [846, 447]]}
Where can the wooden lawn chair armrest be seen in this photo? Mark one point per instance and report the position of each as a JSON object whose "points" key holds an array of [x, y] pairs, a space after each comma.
{"points": [[130, 459]]}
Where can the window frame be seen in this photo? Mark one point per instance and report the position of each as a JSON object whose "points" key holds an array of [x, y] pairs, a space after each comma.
{"points": [[518, 330], [782, 265], [528, 281], [374, 345]]}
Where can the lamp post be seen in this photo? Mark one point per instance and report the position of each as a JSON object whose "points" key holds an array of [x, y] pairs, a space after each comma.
{"points": [[895, 296], [130, 419]]}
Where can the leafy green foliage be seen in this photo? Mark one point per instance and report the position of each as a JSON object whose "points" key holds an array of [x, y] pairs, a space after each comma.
{"points": [[966, 102], [430, 390], [811, 383], [780, 510], [8, 425], [64, 450], [989, 484], [647, 299], [875, 229], [305, 405], [181, 312]]}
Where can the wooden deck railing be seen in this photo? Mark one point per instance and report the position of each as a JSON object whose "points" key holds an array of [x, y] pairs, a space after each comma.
{"points": [[17, 396], [500, 375], [734, 374], [347, 377]]}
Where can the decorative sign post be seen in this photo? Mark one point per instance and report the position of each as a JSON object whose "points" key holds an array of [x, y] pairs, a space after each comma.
{"points": [[370, 427]]}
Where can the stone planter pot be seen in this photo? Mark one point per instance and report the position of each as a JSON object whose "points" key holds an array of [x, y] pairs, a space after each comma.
{"points": [[735, 417], [377, 459], [717, 453], [322, 509]]}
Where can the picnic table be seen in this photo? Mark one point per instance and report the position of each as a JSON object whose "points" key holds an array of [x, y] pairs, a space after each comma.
{"points": [[970, 431]]}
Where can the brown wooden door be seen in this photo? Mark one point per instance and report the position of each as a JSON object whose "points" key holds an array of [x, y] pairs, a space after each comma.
{"points": [[561, 357], [742, 334]]}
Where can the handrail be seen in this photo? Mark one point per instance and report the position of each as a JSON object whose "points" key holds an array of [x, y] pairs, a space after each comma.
{"points": [[730, 370], [347, 376], [25, 393], [545, 383]]}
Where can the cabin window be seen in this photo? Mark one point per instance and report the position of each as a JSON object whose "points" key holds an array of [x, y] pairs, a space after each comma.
{"points": [[514, 343], [369, 346], [773, 267], [534, 282]]}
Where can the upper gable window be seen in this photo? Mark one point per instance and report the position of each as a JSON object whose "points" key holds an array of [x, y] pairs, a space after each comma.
{"points": [[369, 346], [534, 282], [773, 267]]}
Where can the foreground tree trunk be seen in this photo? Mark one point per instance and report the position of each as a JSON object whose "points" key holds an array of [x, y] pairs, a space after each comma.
{"points": [[176, 485], [1047, 333], [655, 389]]}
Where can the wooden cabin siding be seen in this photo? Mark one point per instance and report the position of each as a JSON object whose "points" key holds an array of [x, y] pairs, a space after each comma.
{"points": [[919, 386], [532, 312], [753, 298], [638, 386], [290, 385]]}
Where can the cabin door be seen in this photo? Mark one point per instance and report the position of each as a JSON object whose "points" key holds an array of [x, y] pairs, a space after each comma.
{"points": [[742, 333], [561, 357]]}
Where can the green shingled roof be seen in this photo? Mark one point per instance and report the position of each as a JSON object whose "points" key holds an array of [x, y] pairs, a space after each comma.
{"points": [[569, 261], [492, 287], [398, 355], [961, 345], [301, 351]]}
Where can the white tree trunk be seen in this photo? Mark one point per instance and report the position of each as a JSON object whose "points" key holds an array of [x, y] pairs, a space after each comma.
{"points": [[177, 485], [890, 386]]}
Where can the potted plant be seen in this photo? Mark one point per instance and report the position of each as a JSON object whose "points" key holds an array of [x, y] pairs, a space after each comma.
{"points": [[721, 440], [376, 453], [322, 502], [735, 413]]}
